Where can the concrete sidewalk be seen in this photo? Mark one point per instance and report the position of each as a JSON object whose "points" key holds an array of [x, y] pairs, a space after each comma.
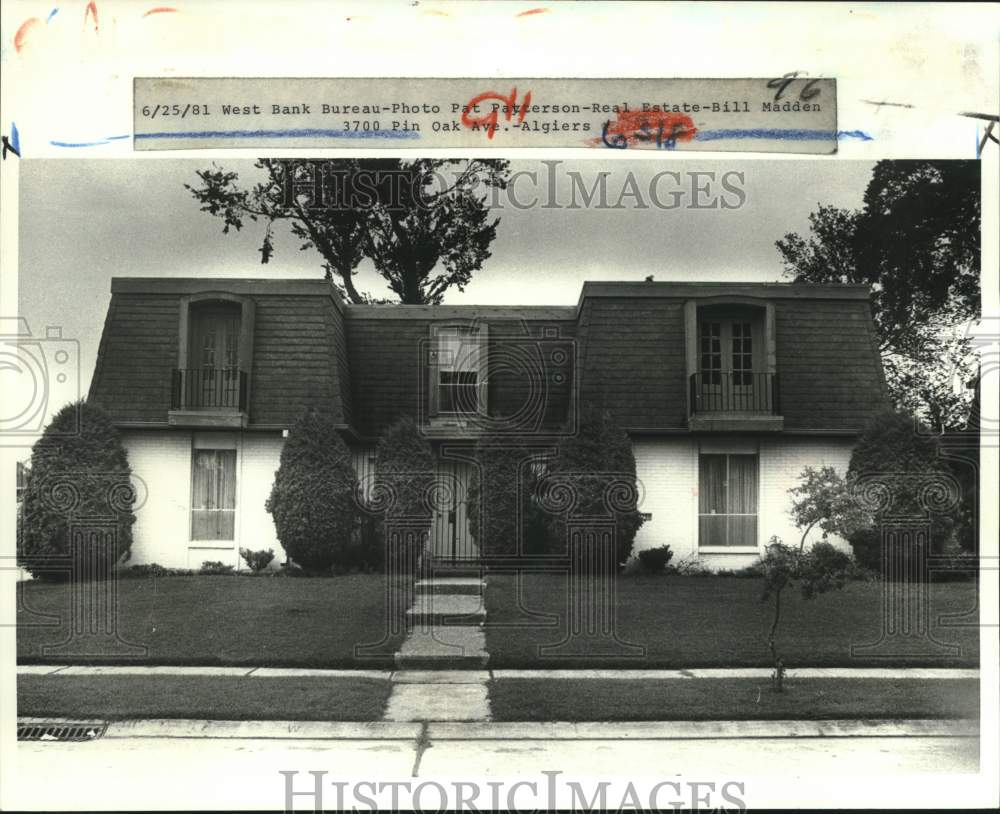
{"points": [[467, 676]]}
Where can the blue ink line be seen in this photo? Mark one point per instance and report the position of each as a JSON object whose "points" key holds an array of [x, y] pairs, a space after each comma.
{"points": [[88, 143], [15, 138], [52, 14], [781, 135], [306, 133]]}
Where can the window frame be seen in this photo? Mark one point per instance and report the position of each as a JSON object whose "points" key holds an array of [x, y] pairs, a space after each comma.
{"points": [[234, 511], [725, 548], [481, 331]]}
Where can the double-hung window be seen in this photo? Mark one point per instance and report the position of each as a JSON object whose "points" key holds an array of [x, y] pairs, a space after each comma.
{"points": [[727, 500], [459, 384]]}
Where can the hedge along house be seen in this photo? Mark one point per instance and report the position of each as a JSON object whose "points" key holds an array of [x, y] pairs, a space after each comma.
{"points": [[727, 391]]}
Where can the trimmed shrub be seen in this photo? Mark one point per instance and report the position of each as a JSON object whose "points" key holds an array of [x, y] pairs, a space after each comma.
{"points": [[654, 560], [79, 469], [217, 568], [596, 465], [313, 499], [406, 484], [257, 561], [894, 444], [502, 501]]}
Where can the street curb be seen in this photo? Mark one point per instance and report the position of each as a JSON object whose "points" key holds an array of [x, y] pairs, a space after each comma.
{"points": [[524, 731]]}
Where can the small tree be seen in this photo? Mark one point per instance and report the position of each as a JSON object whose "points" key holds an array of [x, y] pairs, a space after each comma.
{"points": [[895, 445], [79, 469], [405, 477], [816, 571], [823, 499], [598, 463], [502, 505], [313, 499]]}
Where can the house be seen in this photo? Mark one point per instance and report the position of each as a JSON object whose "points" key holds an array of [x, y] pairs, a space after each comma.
{"points": [[727, 391]]}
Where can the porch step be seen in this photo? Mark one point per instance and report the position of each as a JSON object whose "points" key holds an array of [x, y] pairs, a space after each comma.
{"points": [[440, 608], [436, 647], [453, 586], [438, 569]]}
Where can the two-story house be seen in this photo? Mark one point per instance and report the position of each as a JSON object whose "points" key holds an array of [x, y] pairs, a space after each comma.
{"points": [[727, 391]]}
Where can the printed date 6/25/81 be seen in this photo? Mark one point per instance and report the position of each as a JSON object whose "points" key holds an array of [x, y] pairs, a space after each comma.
{"points": [[180, 111]]}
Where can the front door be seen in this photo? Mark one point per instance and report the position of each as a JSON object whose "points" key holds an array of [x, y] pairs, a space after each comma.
{"points": [[451, 539]]}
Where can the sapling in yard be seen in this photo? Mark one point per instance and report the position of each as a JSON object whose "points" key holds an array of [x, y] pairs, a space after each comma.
{"points": [[816, 571]]}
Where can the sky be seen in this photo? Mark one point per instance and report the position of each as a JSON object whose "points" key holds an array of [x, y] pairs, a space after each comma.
{"points": [[83, 222]]}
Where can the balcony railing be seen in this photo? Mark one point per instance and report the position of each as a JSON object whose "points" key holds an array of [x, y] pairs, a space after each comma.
{"points": [[739, 391], [209, 388]]}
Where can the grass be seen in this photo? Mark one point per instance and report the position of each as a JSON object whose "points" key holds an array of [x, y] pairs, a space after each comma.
{"points": [[538, 699], [224, 620], [207, 697], [711, 621]]}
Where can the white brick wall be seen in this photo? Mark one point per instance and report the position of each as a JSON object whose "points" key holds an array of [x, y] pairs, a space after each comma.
{"points": [[162, 531], [668, 471]]}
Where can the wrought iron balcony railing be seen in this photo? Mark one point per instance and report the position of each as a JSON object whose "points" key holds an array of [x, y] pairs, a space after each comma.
{"points": [[208, 388], [734, 391]]}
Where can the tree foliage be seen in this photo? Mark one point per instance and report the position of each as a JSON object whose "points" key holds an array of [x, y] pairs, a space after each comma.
{"points": [[314, 497], [424, 223], [916, 243], [79, 469], [822, 498]]}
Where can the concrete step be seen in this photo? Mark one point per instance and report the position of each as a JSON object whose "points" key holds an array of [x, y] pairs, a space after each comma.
{"points": [[434, 608], [444, 648], [445, 568], [452, 585]]}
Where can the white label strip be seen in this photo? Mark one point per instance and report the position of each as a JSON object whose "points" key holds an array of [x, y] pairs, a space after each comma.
{"points": [[790, 114]]}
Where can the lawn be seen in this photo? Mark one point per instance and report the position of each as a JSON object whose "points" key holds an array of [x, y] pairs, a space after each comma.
{"points": [[225, 620], [205, 697], [538, 699], [710, 622]]}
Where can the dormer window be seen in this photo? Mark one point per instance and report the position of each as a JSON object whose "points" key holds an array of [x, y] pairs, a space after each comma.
{"points": [[458, 371], [211, 383]]}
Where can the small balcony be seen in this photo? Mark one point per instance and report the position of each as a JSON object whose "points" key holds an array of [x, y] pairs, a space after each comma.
{"points": [[734, 401], [208, 397]]}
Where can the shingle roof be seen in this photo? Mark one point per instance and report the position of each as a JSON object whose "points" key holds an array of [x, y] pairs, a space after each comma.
{"points": [[621, 346]]}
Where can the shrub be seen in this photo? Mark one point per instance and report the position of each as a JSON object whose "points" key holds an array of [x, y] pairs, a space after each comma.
{"points": [[654, 560], [406, 483], [896, 446], [216, 567], [79, 469], [819, 569], [257, 561], [502, 503], [313, 499], [598, 466]]}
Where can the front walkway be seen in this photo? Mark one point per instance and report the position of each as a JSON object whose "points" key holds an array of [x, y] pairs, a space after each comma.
{"points": [[445, 639]]}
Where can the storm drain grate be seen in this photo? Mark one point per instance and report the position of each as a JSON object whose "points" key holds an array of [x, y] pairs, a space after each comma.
{"points": [[60, 731]]}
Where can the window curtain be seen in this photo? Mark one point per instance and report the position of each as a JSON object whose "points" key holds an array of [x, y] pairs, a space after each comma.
{"points": [[213, 494], [727, 500]]}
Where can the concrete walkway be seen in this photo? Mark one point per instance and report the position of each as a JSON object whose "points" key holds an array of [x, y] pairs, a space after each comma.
{"points": [[444, 675], [434, 681]]}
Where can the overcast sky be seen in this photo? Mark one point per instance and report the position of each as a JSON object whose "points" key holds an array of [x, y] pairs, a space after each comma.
{"points": [[83, 222]]}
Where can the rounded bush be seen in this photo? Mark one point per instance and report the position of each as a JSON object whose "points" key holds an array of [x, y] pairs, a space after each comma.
{"points": [[594, 473], [503, 511], [406, 486], [79, 470], [313, 499]]}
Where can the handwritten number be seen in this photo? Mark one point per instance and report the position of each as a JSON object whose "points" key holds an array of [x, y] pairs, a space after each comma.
{"points": [[809, 91]]}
